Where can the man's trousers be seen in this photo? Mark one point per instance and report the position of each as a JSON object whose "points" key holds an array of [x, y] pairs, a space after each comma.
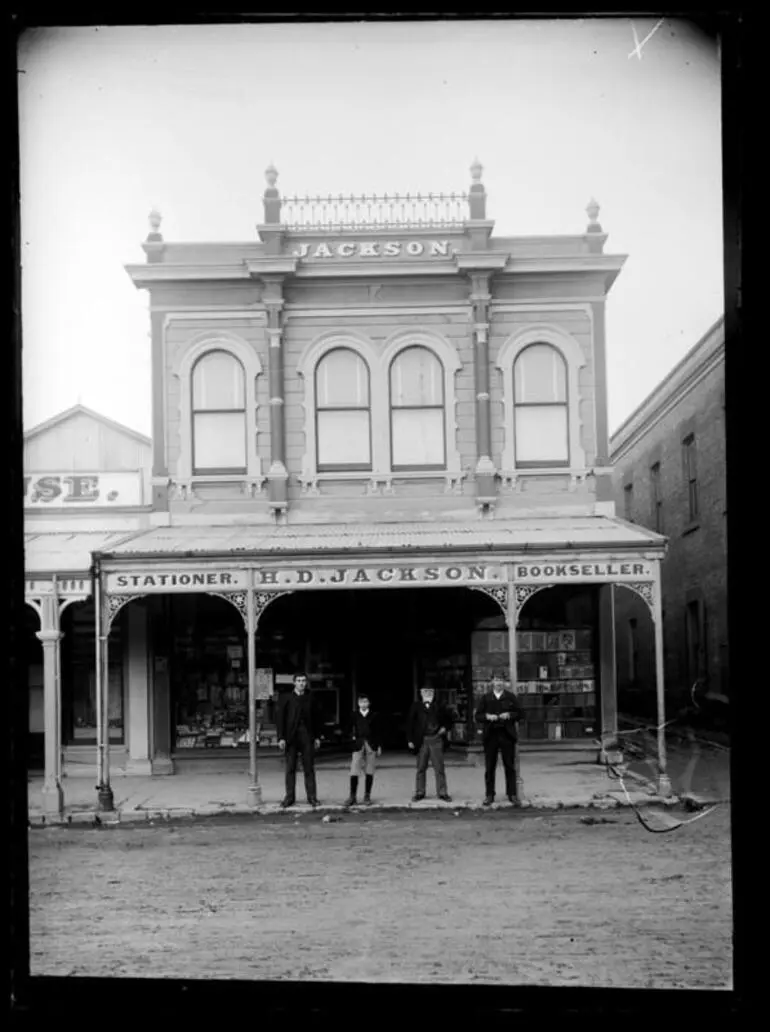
{"points": [[502, 743], [302, 745], [432, 749]]}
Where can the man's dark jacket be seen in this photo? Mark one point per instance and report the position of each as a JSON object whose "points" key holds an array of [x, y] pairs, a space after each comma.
{"points": [[417, 721], [365, 729], [507, 703], [289, 710]]}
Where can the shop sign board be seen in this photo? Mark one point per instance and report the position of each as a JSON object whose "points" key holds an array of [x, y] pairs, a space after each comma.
{"points": [[396, 575], [160, 582], [556, 571], [95, 490]]}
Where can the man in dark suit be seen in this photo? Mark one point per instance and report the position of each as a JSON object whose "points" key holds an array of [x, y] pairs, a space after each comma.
{"points": [[367, 746], [426, 729], [498, 711], [298, 734]]}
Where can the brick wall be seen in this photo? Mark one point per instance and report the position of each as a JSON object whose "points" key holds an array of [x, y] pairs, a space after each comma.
{"points": [[695, 568], [314, 309]]}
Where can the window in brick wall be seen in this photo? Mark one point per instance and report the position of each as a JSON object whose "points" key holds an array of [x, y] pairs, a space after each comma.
{"points": [[343, 428], [541, 423], [417, 418], [628, 502], [218, 414], [690, 476], [657, 498]]}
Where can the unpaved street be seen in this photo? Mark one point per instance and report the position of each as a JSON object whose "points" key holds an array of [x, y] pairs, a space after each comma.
{"points": [[478, 897]]}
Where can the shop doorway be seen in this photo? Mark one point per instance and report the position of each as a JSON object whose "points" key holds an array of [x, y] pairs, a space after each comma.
{"points": [[386, 642]]}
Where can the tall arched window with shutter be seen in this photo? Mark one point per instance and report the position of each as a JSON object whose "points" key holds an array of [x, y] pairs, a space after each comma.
{"points": [[541, 428], [343, 412], [417, 422], [218, 415]]}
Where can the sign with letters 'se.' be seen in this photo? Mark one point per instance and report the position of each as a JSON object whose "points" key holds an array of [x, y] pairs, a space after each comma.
{"points": [[91, 490]]}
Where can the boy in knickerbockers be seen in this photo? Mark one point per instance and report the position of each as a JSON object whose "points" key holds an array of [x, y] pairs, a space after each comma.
{"points": [[367, 747]]}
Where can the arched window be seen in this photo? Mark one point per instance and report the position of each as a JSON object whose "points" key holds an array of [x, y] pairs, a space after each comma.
{"points": [[218, 414], [343, 428], [417, 426], [541, 430]]}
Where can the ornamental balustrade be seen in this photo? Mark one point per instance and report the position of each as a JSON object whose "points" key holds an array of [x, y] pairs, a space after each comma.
{"points": [[353, 212]]}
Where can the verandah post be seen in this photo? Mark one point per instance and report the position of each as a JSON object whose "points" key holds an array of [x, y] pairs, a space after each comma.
{"points": [[255, 789], [512, 620]]}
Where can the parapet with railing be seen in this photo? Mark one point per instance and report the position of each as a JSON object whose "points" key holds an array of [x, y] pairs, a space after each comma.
{"points": [[352, 212], [376, 211]]}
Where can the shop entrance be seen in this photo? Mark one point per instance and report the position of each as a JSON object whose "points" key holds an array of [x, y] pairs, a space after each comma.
{"points": [[385, 642]]}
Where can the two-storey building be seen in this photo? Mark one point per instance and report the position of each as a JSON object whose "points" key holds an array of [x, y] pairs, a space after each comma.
{"points": [[379, 435], [669, 463]]}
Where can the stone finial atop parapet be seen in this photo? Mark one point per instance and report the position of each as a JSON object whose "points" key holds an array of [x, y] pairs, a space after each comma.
{"points": [[154, 246], [155, 219], [271, 197], [477, 197], [592, 210]]}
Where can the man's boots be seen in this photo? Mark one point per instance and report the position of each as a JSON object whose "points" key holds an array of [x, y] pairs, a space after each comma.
{"points": [[351, 800], [368, 789]]}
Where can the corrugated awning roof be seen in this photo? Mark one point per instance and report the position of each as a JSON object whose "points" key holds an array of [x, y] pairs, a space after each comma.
{"points": [[65, 553], [549, 534]]}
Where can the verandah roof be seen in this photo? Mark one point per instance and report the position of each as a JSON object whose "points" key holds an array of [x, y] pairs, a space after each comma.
{"points": [[64, 554], [557, 534]]}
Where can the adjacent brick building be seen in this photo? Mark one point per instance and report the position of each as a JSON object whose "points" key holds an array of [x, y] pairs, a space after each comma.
{"points": [[669, 476]]}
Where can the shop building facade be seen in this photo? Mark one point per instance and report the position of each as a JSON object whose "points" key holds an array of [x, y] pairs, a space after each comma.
{"points": [[380, 453], [87, 485], [669, 466]]}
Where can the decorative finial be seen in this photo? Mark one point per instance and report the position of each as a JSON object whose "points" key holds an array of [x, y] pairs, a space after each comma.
{"points": [[155, 220], [271, 174], [592, 211], [476, 170]]}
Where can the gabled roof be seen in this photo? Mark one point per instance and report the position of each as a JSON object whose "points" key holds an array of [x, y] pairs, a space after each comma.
{"points": [[83, 410]]}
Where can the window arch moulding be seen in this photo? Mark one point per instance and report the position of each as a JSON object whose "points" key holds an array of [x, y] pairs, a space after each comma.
{"points": [[571, 351], [182, 370], [306, 367]]}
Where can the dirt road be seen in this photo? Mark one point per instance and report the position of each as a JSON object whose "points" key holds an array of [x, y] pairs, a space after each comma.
{"points": [[486, 898]]}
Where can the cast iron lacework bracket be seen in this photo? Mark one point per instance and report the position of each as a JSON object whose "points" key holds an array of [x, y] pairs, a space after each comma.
{"points": [[237, 599], [525, 591], [499, 595], [115, 603], [262, 600], [645, 590]]}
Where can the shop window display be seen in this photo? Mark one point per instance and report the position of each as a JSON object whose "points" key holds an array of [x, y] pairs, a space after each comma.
{"points": [[78, 664], [556, 679]]}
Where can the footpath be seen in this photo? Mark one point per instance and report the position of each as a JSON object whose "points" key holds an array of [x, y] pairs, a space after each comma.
{"points": [[552, 779]]}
